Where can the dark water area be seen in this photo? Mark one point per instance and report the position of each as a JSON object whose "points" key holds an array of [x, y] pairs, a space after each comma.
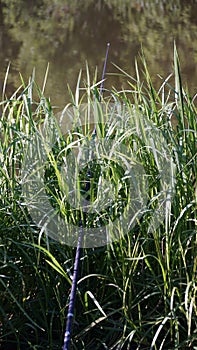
{"points": [[66, 34]]}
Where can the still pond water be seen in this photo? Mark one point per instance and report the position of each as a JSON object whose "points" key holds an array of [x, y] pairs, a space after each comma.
{"points": [[68, 33]]}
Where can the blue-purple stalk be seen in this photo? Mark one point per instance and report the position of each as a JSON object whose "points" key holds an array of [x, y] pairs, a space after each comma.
{"points": [[71, 306], [104, 70]]}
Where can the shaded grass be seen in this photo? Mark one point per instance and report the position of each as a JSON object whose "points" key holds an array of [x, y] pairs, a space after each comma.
{"points": [[136, 293]]}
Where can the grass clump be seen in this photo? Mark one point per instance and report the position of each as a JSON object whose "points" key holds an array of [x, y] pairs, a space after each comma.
{"points": [[138, 292]]}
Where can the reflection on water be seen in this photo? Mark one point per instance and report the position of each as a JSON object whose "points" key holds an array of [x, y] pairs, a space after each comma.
{"points": [[67, 33]]}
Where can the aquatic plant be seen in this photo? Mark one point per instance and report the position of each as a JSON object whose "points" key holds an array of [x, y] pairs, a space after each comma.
{"points": [[138, 292]]}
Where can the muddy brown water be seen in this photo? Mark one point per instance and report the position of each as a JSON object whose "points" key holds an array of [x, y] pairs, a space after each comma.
{"points": [[66, 34]]}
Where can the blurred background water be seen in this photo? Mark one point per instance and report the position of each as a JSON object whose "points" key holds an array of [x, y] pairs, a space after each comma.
{"points": [[67, 33]]}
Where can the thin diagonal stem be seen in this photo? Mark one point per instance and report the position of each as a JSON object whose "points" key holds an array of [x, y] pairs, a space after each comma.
{"points": [[70, 314], [104, 69], [67, 334]]}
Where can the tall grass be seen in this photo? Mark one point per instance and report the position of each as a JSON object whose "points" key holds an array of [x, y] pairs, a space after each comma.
{"points": [[136, 293]]}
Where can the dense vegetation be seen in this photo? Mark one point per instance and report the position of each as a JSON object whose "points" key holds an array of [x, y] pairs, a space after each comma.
{"points": [[138, 292]]}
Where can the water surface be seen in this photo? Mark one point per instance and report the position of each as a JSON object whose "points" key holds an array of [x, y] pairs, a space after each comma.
{"points": [[68, 33]]}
